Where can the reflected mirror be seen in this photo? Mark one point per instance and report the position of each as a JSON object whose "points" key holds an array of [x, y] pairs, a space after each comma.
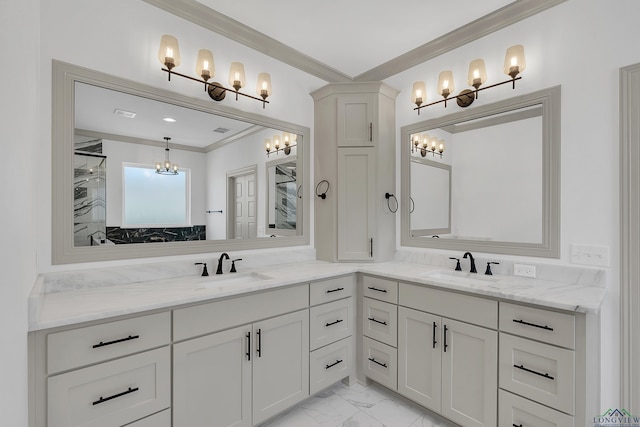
{"points": [[143, 172], [495, 188]]}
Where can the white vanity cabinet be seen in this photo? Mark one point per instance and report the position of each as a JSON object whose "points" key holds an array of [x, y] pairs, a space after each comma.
{"points": [[448, 365], [356, 126], [243, 375]]}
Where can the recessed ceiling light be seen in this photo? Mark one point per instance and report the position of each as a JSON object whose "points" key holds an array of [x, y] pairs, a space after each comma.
{"points": [[124, 113], [221, 130], [169, 119]]}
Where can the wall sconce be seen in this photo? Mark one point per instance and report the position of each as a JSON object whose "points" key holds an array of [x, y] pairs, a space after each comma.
{"points": [[514, 64], [424, 143], [289, 140], [169, 57]]}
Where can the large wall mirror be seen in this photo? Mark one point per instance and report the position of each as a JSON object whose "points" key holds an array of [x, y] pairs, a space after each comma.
{"points": [[219, 190], [496, 186]]}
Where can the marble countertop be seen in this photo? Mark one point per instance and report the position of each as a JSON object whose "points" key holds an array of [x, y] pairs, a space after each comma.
{"points": [[61, 299]]}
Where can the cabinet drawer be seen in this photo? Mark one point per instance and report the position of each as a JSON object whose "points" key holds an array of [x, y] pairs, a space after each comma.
{"points": [[215, 316], [550, 327], [92, 344], [517, 411], [382, 289], [331, 290], [478, 311], [111, 393], [161, 419], [380, 363], [330, 322], [330, 364], [537, 371], [380, 321]]}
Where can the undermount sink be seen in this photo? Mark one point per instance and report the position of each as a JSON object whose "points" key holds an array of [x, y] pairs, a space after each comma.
{"points": [[220, 280], [461, 277]]}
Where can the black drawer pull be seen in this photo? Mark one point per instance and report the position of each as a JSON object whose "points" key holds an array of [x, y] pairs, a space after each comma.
{"points": [[335, 290], [259, 349], [522, 322], [105, 399], [445, 338], [333, 323], [248, 353], [333, 364], [373, 319], [384, 365], [547, 376], [434, 334], [377, 290], [516, 425], [129, 338]]}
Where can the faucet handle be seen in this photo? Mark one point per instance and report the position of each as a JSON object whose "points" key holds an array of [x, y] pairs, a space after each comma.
{"points": [[488, 270], [233, 265], [204, 270], [458, 268]]}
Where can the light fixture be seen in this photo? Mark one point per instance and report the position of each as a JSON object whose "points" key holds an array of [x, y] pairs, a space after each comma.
{"points": [[274, 145], [169, 57], [424, 143], [514, 64], [167, 168]]}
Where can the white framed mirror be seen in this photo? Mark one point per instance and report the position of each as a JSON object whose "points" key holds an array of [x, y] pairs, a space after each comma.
{"points": [[104, 169], [502, 194]]}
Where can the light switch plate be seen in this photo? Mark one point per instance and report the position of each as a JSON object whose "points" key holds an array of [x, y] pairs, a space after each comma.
{"points": [[595, 255]]}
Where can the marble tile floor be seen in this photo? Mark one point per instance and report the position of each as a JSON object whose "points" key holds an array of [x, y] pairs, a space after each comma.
{"points": [[356, 406]]}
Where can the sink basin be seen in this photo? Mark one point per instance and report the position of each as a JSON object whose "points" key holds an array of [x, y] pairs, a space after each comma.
{"points": [[223, 280], [461, 277]]}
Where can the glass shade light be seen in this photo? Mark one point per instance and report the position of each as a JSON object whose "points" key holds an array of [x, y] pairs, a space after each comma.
{"points": [[477, 73], [514, 62], [204, 64], [276, 142], [263, 88], [286, 138], [236, 76], [419, 94], [267, 145], [440, 146], [169, 53], [445, 84]]}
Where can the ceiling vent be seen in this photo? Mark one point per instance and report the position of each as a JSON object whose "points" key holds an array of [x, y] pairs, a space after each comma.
{"points": [[221, 130], [124, 113]]}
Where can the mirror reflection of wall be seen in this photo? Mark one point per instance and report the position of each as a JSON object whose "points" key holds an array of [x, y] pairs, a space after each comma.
{"points": [[89, 194], [282, 193], [431, 198]]}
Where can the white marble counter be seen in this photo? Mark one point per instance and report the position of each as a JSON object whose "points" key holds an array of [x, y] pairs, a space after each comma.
{"points": [[60, 299]]}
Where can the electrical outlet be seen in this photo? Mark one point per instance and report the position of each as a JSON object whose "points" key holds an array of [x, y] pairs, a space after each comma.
{"points": [[524, 270], [590, 255]]}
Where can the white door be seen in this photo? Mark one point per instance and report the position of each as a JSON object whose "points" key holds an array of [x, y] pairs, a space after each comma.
{"points": [[420, 357], [245, 224], [469, 374], [212, 380], [356, 204], [280, 364]]}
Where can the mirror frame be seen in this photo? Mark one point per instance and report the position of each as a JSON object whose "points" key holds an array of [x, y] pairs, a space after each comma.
{"points": [[550, 245], [65, 76]]}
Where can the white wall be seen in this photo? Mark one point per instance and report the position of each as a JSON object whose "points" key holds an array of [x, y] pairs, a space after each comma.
{"points": [[580, 45], [19, 179]]}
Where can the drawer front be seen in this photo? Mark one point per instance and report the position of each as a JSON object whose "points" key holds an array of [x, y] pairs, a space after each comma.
{"points": [[330, 364], [478, 311], [537, 371], [111, 393], [331, 290], [380, 363], [92, 344], [517, 411], [380, 289], [207, 318], [547, 326], [330, 322], [380, 321], [161, 419]]}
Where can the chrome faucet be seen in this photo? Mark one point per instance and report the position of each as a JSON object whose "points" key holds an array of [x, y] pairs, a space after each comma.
{"points": [[473, 262], [223, 256]]}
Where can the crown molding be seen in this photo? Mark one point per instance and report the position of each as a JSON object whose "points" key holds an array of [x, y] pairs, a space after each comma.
{"points": [[497, 20], [215, 21]]}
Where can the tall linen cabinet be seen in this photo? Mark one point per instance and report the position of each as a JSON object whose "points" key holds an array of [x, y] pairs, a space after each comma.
{"points": [[354, 153]]}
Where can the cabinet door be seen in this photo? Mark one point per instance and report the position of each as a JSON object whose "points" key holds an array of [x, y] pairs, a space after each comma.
{"points": [[420, 357], [212, 380], [280, 364], [356, 204], [469, 374], [356, 114]]}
